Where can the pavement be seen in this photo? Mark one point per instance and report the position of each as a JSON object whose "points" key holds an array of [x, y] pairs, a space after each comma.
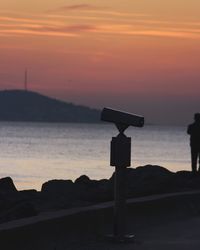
{"points": [[171, 235], [164, 222]]}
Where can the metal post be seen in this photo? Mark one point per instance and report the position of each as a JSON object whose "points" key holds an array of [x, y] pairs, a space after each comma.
{"points": [[120, 202], [121, 159]]}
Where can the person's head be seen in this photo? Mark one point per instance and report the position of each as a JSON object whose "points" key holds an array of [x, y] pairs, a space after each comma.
{"points": [[197, 117]]}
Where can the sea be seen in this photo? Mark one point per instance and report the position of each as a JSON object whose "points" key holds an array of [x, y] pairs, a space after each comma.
{"points": [[33, 153]]}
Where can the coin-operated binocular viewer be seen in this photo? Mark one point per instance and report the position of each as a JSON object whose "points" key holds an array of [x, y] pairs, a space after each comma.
{"points": [[120, 157]]}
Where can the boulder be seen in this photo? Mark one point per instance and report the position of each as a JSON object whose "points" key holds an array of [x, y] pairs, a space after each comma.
{"points": [[62, 194], [83, 180], [29, 193], [147, 180], [9, 195], [187, 180], [93, 190], [7, 185], [58, 187], [59, 194]]}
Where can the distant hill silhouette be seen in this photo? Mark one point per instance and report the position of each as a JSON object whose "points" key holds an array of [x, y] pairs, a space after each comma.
{"points": [[20, 105]]}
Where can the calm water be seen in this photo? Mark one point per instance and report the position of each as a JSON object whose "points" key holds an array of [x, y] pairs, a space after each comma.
{"points": [[32, 153]]}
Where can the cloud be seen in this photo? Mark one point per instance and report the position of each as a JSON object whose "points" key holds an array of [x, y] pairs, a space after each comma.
{"points": [[28, 20], [37, 26], [22, 25], [36, 33], [70, 29], [78, 7], [45, 30], [77, 30], [167, 32], [95, 10]]}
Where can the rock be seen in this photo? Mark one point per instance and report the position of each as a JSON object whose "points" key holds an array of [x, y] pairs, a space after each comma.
{"points": [[147, 180], [59, 194], [151, 179], [29, 193], [9, 195], [57, 186], [62, 194], [60, 188], [187, 180], [83, 179], [184, 174], [93, 190], [7, 185]]}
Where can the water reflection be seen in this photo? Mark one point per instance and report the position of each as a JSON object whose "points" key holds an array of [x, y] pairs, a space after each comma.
{"points": [[32, 153]]}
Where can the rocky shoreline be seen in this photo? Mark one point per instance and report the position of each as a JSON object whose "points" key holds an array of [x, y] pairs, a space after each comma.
{"points": [[64, 194]]}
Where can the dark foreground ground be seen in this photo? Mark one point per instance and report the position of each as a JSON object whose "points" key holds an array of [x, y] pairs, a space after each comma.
{"points": [[163, 212], [159, 222]]}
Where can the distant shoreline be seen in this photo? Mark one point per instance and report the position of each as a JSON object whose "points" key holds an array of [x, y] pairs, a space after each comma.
{"points": [[95, 122]]}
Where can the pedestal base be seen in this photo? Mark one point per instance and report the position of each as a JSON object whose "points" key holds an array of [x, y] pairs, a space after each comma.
{"points": [[128, 238]]}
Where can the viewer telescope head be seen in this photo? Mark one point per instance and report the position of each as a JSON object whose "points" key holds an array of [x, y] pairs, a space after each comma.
{"points": [[121, 119]]}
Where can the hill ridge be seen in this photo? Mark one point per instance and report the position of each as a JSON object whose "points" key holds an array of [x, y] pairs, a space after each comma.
{"points": [[22, 105]]}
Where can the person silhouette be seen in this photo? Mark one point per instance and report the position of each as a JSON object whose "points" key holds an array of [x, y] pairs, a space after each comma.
{"points": [[194, 132]]}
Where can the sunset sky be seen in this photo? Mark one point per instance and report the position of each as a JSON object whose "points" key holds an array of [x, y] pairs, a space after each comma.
{"points": [[140, 56]]}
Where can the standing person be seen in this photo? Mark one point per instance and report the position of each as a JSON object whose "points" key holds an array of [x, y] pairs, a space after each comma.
{"points": [[194, 132]]}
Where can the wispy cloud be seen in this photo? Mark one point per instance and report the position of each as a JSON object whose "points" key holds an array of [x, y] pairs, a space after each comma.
{"points": [[28, 20], [38, 29], [67, 27], [91, 12], [78, 7], [97, 10], [78, 17], [130, 30], [36, 33], [77, 30], [158, 33], [22, 25]]}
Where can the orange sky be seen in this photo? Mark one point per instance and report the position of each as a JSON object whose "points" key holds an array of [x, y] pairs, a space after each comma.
{"points": [[141, 56]]}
